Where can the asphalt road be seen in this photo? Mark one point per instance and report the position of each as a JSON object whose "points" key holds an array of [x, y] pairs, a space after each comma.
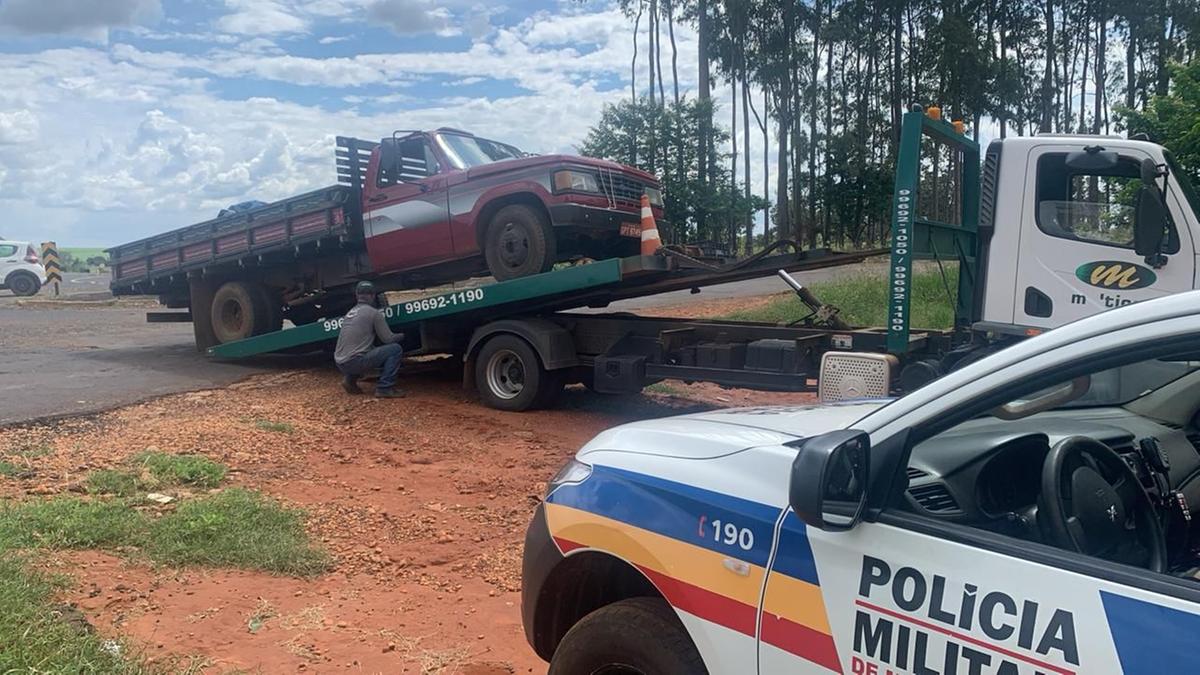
{"points": [[67, 360]]}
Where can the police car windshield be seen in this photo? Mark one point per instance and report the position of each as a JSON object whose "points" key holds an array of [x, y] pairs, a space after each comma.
{"points": [[1119, 386]]}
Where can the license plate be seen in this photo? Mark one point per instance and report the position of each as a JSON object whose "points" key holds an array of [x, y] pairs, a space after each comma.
{"points": [[631, 229]]}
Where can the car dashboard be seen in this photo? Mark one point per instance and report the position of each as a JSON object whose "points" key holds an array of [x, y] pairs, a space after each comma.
{"points": [[987, 472]]}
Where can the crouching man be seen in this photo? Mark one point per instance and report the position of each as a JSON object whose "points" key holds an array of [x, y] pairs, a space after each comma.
{"points": [[356, 353]]}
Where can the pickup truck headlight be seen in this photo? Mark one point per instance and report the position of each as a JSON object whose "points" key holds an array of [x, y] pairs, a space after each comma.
{"points": [[573, 472], [578, 181], [655, 196]]}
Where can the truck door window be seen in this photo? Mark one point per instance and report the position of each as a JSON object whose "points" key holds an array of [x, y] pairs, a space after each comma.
{"points": [[416, 161], [1093, 207]]}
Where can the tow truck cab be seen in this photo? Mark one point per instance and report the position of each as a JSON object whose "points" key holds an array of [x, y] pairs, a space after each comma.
{"points": [[1029, 513]]}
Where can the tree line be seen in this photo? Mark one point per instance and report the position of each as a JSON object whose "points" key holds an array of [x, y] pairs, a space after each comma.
{"points": [[823, 85]]}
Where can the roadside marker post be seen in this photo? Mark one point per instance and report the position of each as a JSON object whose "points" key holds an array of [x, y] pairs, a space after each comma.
{"points": [[52, 265]]}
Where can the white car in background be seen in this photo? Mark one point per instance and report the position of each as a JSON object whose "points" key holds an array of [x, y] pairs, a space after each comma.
{"points": [[21, 269]]}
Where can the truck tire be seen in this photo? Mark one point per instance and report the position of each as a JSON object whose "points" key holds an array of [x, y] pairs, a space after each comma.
{"points": [[518, 242], [270, 307], [509, 375], [23, 284], [638, 635], [239, 311]]}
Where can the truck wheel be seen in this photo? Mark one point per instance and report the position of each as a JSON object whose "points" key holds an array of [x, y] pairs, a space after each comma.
{"points": [[519, 241], [509, 375], [239, 311], [638, 635], [23, 284], [200, 297], [270, 308]]}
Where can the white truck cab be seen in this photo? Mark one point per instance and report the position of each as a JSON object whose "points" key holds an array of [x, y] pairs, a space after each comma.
{"points": [[1060, 244], [1031, 512]]}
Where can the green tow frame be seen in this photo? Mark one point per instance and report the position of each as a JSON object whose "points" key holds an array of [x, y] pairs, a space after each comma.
{"points": [[918, 238]]}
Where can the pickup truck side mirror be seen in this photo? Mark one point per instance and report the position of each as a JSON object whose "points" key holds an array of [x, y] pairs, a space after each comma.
{"points": [[389, 157], [828, 487]]}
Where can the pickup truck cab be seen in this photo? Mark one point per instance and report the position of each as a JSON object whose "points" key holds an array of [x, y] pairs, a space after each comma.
{"points": [[414, 210], [1031, 512]]}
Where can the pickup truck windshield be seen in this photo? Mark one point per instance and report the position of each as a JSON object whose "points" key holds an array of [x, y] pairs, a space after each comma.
{"points": [[465, 152]]}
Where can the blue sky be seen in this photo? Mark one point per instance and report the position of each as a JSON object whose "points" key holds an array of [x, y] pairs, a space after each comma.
{"points": [[124, 118]]}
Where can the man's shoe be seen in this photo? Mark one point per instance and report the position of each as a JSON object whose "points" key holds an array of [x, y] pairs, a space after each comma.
{"points": [[389, 393], [350, 384]]}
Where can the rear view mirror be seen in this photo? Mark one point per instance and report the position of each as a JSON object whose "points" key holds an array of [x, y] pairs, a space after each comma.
{"points": [[1092, 160], [828, 487]]}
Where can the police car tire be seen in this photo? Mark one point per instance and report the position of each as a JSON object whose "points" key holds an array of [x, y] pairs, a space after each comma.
{"points": [[639, 633], [23, 283]]}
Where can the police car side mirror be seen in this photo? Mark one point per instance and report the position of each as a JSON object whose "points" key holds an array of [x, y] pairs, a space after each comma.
{"points": [[829, 479]]}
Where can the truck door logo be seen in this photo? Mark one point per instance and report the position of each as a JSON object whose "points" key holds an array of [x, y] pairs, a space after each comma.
{"points": [[1115, 274]]}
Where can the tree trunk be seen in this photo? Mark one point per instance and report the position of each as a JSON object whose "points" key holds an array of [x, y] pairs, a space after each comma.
{"points": [[897, 74], [813, 111], [652, 47], [1048, 76], [1101, 61], [1131, 67], [783, 222], [731, 237], [674, 49], [1087, 44], [1002, 106], [748, 218], [702, 30], [637, 22], [657, 64]]}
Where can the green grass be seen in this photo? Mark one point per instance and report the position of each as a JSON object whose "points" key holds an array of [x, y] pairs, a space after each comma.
{"points": [[8, 469], [236, 528], [277, 427], [114, 482], [82, 253], [45, 641], [863, 301], [190, 470]]}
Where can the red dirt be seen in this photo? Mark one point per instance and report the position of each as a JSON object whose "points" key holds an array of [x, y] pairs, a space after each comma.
{"points": [[423, 502]]}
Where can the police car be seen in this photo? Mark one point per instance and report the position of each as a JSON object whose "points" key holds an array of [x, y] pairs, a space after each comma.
{"points": [[1030, 513]]}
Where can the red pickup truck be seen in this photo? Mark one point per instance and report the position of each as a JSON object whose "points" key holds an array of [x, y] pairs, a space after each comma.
{"points": [[413, 210]]}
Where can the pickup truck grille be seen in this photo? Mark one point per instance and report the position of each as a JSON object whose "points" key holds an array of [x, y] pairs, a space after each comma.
{"points": [[623, 188]]}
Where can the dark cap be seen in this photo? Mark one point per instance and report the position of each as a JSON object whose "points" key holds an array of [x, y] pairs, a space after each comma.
{"points": [[364, 288]]}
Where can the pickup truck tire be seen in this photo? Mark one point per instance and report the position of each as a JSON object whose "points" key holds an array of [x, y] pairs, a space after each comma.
{"points": [[638, 635], [509, 375], [519, 241], [240, 310], [23, 283]]}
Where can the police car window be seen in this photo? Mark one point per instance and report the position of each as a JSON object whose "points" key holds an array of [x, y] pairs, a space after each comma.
{"points": [[1094, 207], [7, 250]]}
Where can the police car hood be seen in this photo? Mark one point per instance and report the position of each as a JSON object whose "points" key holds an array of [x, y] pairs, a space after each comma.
{"points": [[722, 432]]}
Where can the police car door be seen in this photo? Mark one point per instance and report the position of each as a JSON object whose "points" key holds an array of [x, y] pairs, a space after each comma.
{"points": [[1076, 255]]}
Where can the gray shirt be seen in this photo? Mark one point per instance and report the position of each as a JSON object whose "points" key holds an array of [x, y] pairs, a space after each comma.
{"points": [[360, 327]]}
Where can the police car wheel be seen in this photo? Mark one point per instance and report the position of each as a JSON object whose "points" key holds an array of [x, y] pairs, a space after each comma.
{"points": [[640, 636]]}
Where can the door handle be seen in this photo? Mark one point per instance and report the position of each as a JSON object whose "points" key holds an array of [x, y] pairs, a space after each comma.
{"points": [[378, 198]]}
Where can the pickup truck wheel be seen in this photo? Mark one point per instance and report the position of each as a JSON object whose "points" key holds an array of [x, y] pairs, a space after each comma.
{"points": [[239, 311], [640, 636], [509, 375], [23, 284], [519, 241]]}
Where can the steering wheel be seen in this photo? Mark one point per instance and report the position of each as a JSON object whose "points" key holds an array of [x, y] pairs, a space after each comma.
{"points": [[1092, 502]]}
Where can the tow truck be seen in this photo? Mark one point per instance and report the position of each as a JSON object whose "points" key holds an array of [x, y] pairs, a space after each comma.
{"points": [[1043, 230], [1030, 512]]}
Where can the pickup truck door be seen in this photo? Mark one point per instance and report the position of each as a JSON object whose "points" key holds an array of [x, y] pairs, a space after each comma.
{"points": [[1075, 256], [406, 210]]}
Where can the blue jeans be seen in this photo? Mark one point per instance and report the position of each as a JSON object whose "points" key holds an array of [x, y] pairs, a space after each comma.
{"points": [[386, 358]]}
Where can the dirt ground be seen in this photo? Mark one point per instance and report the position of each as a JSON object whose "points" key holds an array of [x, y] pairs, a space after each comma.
{"points": [[423, 503]]}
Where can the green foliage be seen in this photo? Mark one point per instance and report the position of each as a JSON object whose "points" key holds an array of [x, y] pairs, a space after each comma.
{"points": [[662, 140], [190, 470], [863, 301], [236, 528], [1173, 119], [8, 469]]}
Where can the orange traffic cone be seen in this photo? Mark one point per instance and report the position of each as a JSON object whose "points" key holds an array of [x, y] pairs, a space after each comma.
{"points": [[650, 241]]}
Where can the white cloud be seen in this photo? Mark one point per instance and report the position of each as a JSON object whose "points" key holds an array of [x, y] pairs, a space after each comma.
{"points": [[261, 17], [411, 17], [18, 126], [91, 20], [332, 39]]}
